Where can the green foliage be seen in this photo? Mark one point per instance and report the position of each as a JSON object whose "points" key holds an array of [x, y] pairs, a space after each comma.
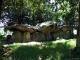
{"points": [[2, 37], [76, 51], [27, 11], [4, 52], [33, 12], [1, 50]]}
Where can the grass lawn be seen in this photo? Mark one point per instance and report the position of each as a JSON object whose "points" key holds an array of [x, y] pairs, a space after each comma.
{"points": [[53, 50]]}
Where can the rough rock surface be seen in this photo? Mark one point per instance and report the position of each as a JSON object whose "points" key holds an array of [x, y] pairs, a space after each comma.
{"points": [[41, 32]]}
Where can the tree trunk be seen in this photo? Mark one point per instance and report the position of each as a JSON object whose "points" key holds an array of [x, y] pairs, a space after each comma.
{"points": [[0, 7], [78, 33]]}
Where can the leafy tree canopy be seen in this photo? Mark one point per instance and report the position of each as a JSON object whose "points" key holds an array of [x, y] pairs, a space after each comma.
{"points": [[33, 12]]}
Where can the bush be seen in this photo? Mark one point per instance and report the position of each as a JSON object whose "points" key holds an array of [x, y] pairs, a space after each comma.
{"points": [[2, 37], [1, 51], [4, 52], [76, 51]]}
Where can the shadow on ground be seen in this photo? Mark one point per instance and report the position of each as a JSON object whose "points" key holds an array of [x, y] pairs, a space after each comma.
{"points": [[61, 51]]}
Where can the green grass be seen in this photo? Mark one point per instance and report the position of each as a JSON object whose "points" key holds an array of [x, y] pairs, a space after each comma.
{"points": [[53, 50]]}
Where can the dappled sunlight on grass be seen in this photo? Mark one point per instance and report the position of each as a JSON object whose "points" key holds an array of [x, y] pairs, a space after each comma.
{"points": [[53, 50], [72, 42], [60, 40], [29, 43]]}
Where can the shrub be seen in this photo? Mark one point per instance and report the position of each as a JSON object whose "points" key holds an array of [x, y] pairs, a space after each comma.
{"points": [[76, 51], [4, 52], [1, 51]]}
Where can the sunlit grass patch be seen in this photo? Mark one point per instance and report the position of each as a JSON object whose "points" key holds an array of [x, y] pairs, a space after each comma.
{"points": [[72, 42], [29, 43]]}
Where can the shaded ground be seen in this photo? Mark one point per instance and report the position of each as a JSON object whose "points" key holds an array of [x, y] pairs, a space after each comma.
{"points": [[53, 50]]}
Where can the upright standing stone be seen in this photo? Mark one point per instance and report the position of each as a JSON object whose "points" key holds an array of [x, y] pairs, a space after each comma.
{"points": [[38, 36], [48, 36], [26, 37], [16, 37]]}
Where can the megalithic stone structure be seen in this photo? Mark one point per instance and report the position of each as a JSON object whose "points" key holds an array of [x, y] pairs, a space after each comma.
{"points": [[42, 32]]}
